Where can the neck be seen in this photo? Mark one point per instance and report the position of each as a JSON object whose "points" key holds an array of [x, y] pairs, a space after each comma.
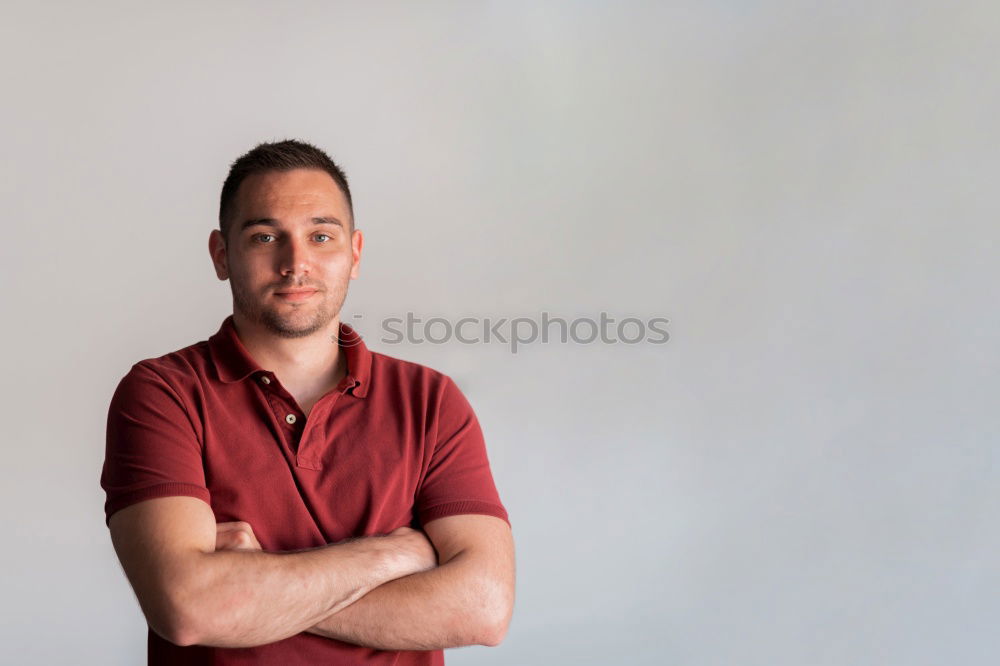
{"points": [[312, 358]]}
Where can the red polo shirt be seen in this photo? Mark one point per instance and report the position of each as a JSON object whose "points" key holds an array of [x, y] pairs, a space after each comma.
{"points": [[395, 443]]}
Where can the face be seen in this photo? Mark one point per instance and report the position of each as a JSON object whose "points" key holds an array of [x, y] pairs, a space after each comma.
{"points": [[290, 253]]}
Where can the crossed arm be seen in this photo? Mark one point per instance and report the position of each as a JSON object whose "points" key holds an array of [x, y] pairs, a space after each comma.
{"points": [[381, 592], [467, 599]]}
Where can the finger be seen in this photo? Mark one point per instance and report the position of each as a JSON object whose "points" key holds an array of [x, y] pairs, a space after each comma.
{"points": [[236, 535], [236, 540], [234, 525], [224, 541]]}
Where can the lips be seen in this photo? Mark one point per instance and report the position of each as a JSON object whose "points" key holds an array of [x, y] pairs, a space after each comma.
{"points": [[295, 294]]}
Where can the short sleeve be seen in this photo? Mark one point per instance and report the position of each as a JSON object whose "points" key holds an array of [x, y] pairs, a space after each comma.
{"points": [[458, 478], [152, 448]]}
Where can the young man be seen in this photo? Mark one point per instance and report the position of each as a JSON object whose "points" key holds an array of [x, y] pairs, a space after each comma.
{"points": [[281, 494]]}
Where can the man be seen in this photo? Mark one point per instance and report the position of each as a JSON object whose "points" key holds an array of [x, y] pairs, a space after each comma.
{"points": [[281, 494]]}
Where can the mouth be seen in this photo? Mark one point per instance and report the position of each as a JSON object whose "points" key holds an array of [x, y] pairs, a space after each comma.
{"points": [[295, 295]]}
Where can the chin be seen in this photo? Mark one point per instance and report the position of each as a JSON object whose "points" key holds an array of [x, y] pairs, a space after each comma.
{"points": [[295, 325]]}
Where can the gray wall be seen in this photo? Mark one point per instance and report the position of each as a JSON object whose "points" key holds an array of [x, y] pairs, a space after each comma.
{"points": [[806, 473]]}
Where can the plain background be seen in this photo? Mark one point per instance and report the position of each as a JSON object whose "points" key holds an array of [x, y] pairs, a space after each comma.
{"points": [[806, 473]]}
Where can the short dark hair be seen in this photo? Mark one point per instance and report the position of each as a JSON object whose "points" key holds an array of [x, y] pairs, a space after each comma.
{"points": [[279, 156]]}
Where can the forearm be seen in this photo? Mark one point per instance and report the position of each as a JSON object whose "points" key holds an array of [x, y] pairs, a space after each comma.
{"points": [[243, 599], [449, 606]]}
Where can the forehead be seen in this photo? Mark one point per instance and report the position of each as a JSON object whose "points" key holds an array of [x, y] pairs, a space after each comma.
{"points": [[287, 193]]}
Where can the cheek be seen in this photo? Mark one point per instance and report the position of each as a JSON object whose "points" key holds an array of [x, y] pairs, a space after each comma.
{"points": [[336, 267], [254, 268], [247, 279]]}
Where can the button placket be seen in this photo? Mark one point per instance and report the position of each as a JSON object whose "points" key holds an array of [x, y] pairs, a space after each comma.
{"points": [[310, 449], [290, 417], [299, 428], [283, 407]]}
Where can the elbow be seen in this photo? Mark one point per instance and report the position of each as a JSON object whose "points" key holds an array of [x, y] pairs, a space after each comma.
{"points": [[494, 630], [495, 618], [189, 630], [493, 635], [172, 625], [177, 624], [167, 612], [182, 637], [181, 617]]}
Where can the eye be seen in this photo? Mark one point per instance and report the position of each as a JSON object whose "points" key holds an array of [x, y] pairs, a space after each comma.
{"points": [[320, 236], [258, 238]]}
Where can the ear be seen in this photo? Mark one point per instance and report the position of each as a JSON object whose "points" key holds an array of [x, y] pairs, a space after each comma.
{"points": [[357, 243], [217, 248]]}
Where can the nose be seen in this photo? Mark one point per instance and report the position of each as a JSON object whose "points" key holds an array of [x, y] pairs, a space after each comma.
{"points": [[294, 259]]}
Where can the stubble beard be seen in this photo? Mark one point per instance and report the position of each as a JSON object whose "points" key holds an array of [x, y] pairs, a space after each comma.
{"points": [[289, 322]]}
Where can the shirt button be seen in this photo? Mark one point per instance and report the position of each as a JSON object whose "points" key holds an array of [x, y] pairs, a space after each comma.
{"points": [[265, 379], [290, 418]]}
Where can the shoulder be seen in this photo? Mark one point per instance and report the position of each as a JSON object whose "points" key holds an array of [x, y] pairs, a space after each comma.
{"points": [[414, 382], [392, 368], [180, 371]]}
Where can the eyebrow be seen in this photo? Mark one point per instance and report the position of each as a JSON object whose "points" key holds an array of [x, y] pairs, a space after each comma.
{"points": [[271, 222]]}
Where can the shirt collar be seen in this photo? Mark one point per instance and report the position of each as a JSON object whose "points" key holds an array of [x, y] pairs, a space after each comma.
{"points": [[234, 363]]}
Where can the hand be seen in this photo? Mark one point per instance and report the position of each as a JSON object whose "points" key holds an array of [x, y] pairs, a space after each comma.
{"points": [[416, 549], [236, 535]]}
